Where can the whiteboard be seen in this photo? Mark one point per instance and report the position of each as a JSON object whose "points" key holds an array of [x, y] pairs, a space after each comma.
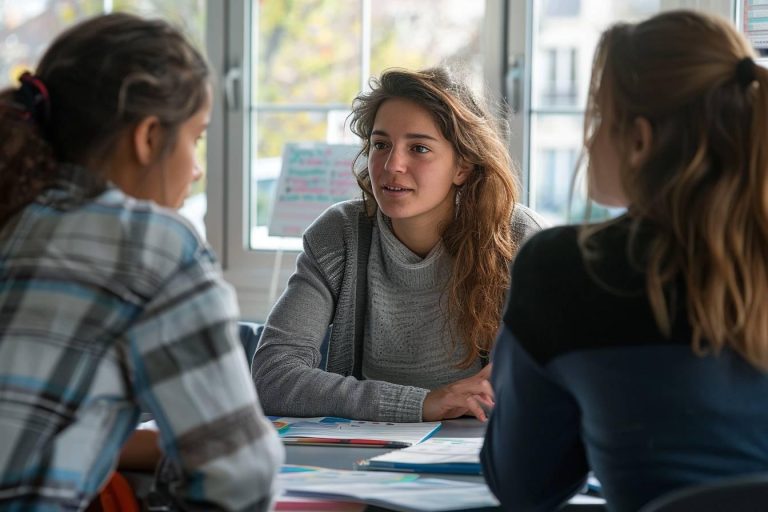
{"points": [[313, 176]]}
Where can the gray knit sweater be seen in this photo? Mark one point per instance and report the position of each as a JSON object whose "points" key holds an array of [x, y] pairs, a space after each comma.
{"points": [[322, 292]]}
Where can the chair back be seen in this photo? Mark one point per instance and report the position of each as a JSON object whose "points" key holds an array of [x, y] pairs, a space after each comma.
{"points": [[741, 494], [250, 333]]}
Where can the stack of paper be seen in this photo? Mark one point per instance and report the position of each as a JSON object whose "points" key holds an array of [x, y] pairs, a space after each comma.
{"points": [[437, 455], [395, 491], [346, 432]]}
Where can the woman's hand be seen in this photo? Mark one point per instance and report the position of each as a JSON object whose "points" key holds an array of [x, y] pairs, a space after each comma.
{"points": [[467, 396]]}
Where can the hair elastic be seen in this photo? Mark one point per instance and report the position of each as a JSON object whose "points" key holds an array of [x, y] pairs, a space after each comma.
{"points": [[745, 71], [33, 96]]}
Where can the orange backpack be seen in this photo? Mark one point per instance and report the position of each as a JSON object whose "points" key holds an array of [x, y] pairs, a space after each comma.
{"points": [[116, 496]]}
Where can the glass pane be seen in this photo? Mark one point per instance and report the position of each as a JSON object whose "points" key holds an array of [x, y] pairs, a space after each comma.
{"points": [[414, 35], [28, 27], [564, 39], [557, 139], [557, 188], [189, 15], [306, 51], [308, 67]]}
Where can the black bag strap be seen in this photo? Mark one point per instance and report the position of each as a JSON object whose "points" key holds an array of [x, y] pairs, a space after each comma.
{"points": [[364, 234]]}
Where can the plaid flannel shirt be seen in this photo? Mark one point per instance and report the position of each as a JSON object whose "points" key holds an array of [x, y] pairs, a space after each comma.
{"points": [[109, 305]]}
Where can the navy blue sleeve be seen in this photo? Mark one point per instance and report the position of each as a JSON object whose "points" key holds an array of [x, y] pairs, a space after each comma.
{"points": [[533, 458]]}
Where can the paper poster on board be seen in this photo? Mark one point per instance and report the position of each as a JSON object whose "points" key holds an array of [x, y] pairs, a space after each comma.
{"points": [[313, 176], [754, 24]]}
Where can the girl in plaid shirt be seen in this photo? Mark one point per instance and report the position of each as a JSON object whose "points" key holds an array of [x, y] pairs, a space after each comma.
{"points": [[109, 301]]}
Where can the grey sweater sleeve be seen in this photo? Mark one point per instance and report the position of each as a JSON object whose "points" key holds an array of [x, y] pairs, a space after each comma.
{"points": [[525, 224], [285, 368]]}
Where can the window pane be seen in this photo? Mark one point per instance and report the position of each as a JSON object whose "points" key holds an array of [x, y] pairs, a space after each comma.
{"points": [[28, 27], [189, 15], [308, 65], [562, 7], [564, 39], [306, 51], [416, 34], [557, 139]]}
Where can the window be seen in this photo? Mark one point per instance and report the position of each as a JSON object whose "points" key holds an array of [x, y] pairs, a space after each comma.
{"points": [[291, 71], [560, 50], [288, 71], [292, 68]]}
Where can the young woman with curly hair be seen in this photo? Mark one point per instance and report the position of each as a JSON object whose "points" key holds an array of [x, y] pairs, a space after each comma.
{"points": [[412, 278]]}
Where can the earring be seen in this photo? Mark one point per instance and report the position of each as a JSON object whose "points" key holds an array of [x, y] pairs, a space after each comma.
{"points": [[457, 202]]}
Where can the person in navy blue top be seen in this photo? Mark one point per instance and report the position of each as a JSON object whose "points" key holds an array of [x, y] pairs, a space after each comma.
{"points": [[637, 348]]}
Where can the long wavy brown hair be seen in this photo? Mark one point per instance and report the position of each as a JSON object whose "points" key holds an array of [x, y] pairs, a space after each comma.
{"points": [[704, 184], [479, 238], [103, 76]]}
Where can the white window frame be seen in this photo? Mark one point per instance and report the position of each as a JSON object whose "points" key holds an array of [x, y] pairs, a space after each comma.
{"points": [[259, 276]]}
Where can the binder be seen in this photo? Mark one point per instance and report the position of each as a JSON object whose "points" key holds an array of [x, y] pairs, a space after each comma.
{"points": [[438, 455]]}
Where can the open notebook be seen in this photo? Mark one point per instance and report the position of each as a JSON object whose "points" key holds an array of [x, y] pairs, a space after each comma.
{"points": [[327, 430], [401, 492]]}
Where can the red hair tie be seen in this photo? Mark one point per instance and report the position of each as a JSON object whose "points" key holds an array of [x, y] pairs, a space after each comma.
{"points": [[34, 96]]}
